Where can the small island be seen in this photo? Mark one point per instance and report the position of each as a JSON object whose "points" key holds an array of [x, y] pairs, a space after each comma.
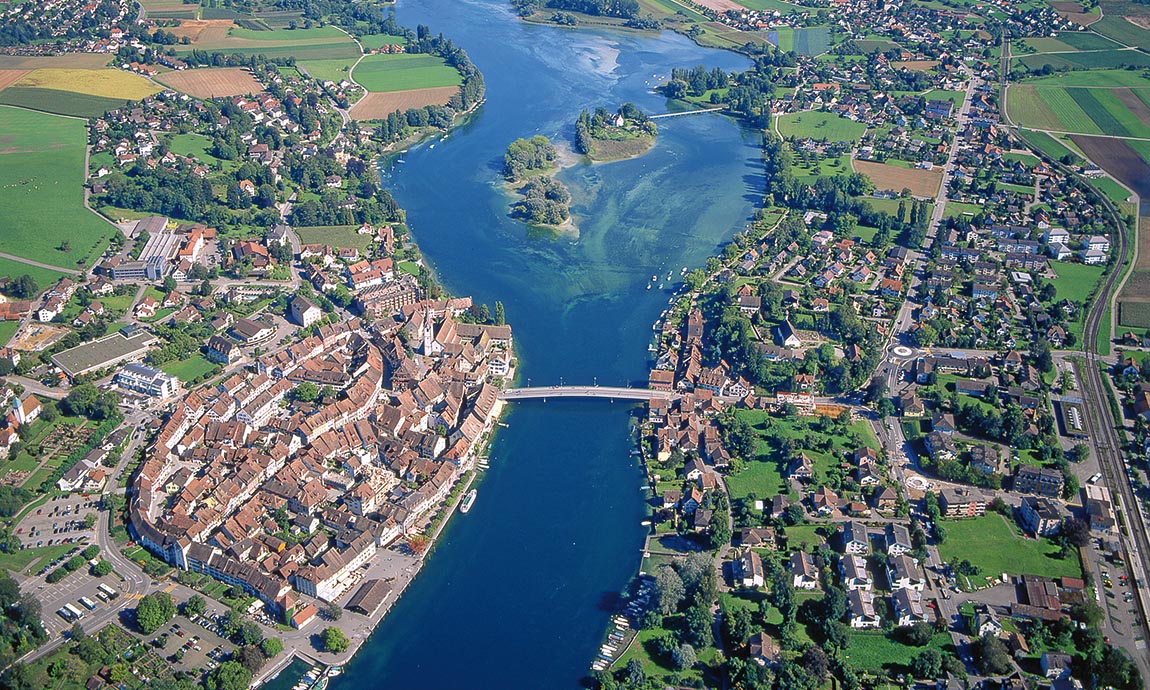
{"points": [[527, 165], [606, 136]]}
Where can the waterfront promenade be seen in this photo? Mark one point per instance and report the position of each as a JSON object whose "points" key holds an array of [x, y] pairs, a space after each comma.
{"points": [[601, 392]]}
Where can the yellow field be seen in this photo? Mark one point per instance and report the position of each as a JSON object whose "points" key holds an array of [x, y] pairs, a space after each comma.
{"points": [[109, 83]]}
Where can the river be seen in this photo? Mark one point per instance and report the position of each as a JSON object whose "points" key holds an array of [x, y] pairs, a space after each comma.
{"points": [[517, 592]]}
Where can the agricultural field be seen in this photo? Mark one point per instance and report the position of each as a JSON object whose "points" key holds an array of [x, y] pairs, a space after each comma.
{"points": [[995, 546], [69, 61], [59, 102], [1083, 60], [820, 126], [303, 44], [810, 41], [169, 9], [1069, 41], [8, 77], [334, 235], [1097, 78], [76, 91], [772, 5], [41, 191], [213, 83], [1073, 11], [376, 106], [917, 65], [1115, 111], [1124, 32], [402, 72], [109, 83], [920, 182]]}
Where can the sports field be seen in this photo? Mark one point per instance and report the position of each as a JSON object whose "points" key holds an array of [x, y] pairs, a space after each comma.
{"points": [[323, 43], [41, 190], [1114, 111], [213, 83], [819, 126], [383, 73]]}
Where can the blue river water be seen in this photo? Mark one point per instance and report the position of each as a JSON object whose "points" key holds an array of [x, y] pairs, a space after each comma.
{"points": [[516, 594]]}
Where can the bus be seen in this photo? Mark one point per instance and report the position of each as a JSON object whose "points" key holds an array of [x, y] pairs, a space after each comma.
{"points": [[74, 611], [107, 590], [65, 614], [1095, 478], [88, 603]]}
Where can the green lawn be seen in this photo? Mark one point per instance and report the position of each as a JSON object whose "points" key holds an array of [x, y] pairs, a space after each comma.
{"points": [[1075, 281], [331, 70], [334, 235], [19, 561], [375, 41], [875, 650], [1119, 29], [408, 267], [189, 369], [41, 191], [10, 269], [382, 73], [996, 546], [819, 125], [7, 330], [762, 476], [197, 146]]}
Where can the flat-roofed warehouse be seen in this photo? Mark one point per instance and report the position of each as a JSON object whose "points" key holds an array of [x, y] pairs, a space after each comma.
{"points": [[368, 598], [110, 350]]}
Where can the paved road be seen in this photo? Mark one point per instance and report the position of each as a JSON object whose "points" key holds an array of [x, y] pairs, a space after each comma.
{"points": [[30, 262]]}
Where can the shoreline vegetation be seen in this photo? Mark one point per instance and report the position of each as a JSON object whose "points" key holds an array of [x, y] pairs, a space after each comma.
{"points": [[528, 166], [605, 136]]}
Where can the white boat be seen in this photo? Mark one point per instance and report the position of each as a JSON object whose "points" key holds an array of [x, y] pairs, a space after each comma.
{"points": [[334, 671], [468, 501], [645, 523]]}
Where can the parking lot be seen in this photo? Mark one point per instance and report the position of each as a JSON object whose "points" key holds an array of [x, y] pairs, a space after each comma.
{"points": [[59, 521], [191, 645], [69, 591]]}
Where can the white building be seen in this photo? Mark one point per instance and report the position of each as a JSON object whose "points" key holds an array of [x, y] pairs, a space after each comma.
{"points": [[146, 380]]}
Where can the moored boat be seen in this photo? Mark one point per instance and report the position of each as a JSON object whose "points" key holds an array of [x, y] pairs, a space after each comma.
{"points": [[468, 501]]}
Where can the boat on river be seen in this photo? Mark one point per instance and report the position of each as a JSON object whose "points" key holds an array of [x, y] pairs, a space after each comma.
{"points": [[468, 501]]}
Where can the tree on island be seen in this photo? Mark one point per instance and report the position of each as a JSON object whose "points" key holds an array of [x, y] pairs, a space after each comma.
{"points": [[526, 155], [545, 202]]}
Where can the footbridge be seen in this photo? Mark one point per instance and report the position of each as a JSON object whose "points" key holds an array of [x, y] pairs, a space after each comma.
{"points": [[685, 112], [601, 392]]}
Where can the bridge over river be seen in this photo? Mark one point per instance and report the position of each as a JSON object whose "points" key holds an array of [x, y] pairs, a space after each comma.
{"points": [[602, 392]]}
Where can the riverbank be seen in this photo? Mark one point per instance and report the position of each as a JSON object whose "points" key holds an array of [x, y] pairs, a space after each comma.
{"points": [[398, 567]]}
